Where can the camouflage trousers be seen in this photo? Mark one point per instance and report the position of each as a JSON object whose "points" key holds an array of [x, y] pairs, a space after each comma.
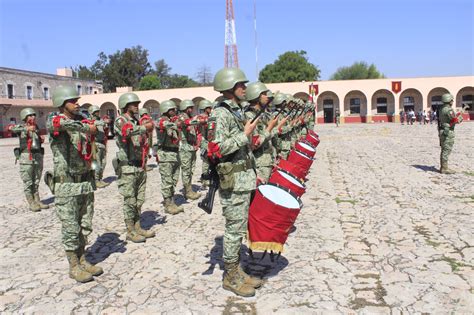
{"points": [[446, 141], [235, 209], [101, 159], [30, 175], [187, 161], [132, 185], [205, 166], [75, 214], [169, 172]]}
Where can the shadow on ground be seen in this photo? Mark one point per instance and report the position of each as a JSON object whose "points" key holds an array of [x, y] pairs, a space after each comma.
{"points": [[104, 246], [426, 168], [110, 179], [148, 219]]}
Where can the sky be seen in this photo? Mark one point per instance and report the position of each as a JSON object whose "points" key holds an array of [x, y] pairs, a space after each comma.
{"points": [[403, 38]]}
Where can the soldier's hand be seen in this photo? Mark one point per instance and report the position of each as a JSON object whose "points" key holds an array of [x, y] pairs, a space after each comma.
{"points": [[282, 122], [30, 127], [92, 129], [250, 127], [272, 123], [149, 126]]}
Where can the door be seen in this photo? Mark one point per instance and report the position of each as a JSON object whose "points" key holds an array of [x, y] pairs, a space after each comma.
{"points": [[328, 115]]}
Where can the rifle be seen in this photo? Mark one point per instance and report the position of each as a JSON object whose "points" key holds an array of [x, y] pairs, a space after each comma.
{"points": [[208, 202]]}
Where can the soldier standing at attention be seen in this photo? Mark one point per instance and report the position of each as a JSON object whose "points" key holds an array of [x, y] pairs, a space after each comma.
{"points": [[446, 122], [237, 176], [30, 153], [338, 118], [261, 143], [188, 146], [205, 109], [167, 134], [73, 180], [130, 164], [101, 144]]}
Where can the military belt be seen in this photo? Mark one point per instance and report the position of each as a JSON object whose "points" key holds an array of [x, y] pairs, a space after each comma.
{"points": [[136, 163], [70, 178], [170, 149], [242, 167]]}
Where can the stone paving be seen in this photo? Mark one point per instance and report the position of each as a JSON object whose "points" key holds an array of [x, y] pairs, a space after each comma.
{"points": [[381, 231]]}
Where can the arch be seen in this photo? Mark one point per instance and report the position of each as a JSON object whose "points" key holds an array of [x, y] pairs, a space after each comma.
{"points": [[177, 101], [302, 95], [324, 101], [433, 99], [109, 109], [411, 99], [383, 105], [466, 96], [197, 99], [355, 107], [153, 107]]}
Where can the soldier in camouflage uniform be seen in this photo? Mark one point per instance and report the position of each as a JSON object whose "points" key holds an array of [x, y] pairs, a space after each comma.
{"points": [[237, 176], [205, 109], [167, 134], [144, 112], [73, 180], [188, 146], [130, 164], [446, 122], [101, 145], [30, 153], [285, 132], [261, 143], [311, 111]]}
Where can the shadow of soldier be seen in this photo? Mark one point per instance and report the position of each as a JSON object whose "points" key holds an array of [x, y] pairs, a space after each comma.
{"points": [[215, 256], [104, 246], [48, 201], [148, 219], [110, 179], [426, 168]]}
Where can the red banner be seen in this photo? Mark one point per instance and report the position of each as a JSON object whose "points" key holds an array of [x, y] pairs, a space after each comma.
{"points": [[396, 86]]}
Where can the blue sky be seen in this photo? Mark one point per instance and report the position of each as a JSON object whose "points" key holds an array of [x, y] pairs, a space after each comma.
{"points": [[403, 38]]}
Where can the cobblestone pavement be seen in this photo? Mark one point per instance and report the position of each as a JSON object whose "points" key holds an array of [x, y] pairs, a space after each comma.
{"points": [[381, 231]]}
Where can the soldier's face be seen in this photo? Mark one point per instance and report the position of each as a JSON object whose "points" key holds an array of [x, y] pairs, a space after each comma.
{"points": [[172, 112], [264, 99], [239, 90], [133, 108], [72, 106], [208, 110]]}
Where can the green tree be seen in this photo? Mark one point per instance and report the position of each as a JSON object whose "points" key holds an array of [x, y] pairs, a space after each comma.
{"points": [[149, 82], [358, 71], [292, 66], [176, 81], [83, 72]]}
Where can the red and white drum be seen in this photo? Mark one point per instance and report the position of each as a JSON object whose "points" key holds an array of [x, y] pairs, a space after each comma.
{"points": [[272, 213], [306, 148], [301, 159], [312, 138], [285, 179], [292, 168]]}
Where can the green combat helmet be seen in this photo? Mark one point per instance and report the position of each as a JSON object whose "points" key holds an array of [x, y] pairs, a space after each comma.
{"points": [[64, 93], [447, 98], [143, 111], [165, 106], [279, 99], [204, 104], [225, 79], [128, 98], [27, 112], [254, 90], [93, 108], [185, 104]]}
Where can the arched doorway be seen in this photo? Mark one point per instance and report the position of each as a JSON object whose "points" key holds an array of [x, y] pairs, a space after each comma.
{"points": [[153, 107], [327, 105], [383, 106], [411, 99], [465, 96], [434, 98], [355, 107], [177, 101], [302, 95], [109, 109]]}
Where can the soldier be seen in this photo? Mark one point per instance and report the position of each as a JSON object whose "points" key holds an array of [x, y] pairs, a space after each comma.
{"points": [[167, 134], [446, 122], [338, 118], [73, 180], [237, 177], [205, 108], [278, 102], [141, 113], [130, 164], [311, 120], [101, 145], [261, 143], [30, 153], [188, 146]]}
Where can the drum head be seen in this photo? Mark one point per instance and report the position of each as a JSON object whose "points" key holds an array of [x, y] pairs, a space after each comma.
{"points": [[307, 146], [302, 154], [279, 196], [290, 178]]}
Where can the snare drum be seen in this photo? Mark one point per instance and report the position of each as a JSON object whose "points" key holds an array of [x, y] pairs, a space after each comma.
{"points": [[285, 179], [292, 168], [301, 159], [272, 214], [312, 138], [306, 148]]}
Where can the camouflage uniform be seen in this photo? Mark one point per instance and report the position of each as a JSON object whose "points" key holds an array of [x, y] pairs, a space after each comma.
{"points": [[101, 153], [203, 131], [446, 123], [284, 135]]}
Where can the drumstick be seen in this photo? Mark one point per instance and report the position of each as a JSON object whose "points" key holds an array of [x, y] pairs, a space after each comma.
{"points": [[255, 118]]}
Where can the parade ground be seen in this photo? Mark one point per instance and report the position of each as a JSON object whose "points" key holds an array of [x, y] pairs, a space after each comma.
{"points": [[381, 232]]}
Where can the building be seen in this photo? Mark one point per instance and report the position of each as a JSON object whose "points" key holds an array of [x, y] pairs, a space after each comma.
{"points": [[20, 89]]}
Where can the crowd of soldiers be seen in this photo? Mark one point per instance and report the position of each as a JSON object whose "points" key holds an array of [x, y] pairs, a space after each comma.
{"points": [[244, 134]]}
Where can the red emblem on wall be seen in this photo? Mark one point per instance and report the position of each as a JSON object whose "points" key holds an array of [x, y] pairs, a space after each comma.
{"points": [[396, 86]]}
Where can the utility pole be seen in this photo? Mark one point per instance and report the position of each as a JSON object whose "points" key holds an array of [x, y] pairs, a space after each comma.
{"points": [[231, 59]]}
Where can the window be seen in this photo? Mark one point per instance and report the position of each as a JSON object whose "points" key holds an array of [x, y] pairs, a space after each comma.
{"points": [[46, 93], [381, 105], [10, 91], [436, 100], [409, 101], [29, 92], [354, 105], [79, 89], [90, 89], [467, 100], [328, 103]]}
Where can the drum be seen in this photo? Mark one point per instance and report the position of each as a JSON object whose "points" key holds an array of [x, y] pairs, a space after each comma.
{"points": [[285, 179], [272, 214], [311, 138], [301, 159], [292, 168], [306, 148], [313, 133]]}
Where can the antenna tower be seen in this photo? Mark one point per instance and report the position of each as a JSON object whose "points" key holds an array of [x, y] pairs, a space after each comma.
{"points": [[230, 46]]}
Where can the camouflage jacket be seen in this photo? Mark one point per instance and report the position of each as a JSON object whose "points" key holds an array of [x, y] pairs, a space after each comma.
{"points": [[447, 119], [233, 143], [102, 130], [190, 139], [167, 134], [130, 141], [203, 130], [35, 144], [261, 139], [68, 144]]}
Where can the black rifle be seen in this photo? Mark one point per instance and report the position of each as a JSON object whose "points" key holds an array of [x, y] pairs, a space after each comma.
{"points": [[208, 202]]}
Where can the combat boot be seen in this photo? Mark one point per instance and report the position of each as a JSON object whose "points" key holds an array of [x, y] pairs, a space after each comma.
{"points": [[189, 193], [142, 232], [92, 269], [132, 234], [234, 282], [38, 201], [34, 206], [171, 207], [444, 168], [254, 282], [75, 270]]}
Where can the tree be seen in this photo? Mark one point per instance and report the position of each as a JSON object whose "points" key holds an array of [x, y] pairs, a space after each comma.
{"points": [[176, 81], [358, 71], [83, 72], [162, 69], [149, 82], [292, 66], [204, 76]]}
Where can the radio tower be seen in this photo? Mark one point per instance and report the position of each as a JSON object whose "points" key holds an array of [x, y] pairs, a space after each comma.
{"points": [[230, 46]]}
